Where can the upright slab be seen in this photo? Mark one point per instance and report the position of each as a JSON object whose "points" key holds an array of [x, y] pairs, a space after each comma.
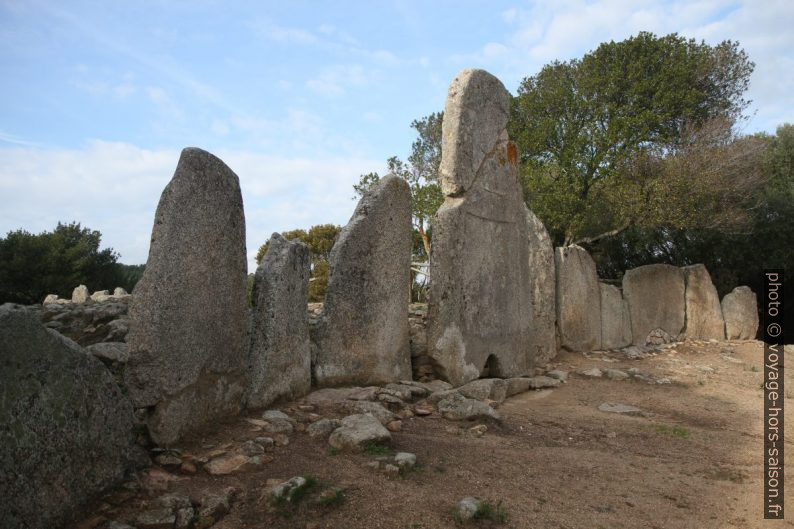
{"points": [[542, 283], [188, 316], [615, 321], [363, 337], [280, 355], [703, 312], [66, 427], [740, 310], [480, 305], [656, 299], [578, 299]]}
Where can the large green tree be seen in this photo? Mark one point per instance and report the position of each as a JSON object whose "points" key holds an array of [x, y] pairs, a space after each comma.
{"points": [[54, 262], [606, 140]]}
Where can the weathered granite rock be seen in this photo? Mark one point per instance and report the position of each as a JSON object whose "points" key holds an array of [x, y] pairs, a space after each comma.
{"points": [[578, 299], [456, 407], [740, 310], [118, 292], [480, 311], [80, 294], [485, 389], [655, 296], [356, 431], [51, 298], [703, 311], [280, 355], [110, 351], [88, 323], [188, 331], [543, 284], [363, 337], [100, 295], [66, 429], [615, 321]]}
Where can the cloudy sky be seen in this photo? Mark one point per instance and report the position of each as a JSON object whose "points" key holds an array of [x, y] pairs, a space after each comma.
{"points": [[298, 98]]}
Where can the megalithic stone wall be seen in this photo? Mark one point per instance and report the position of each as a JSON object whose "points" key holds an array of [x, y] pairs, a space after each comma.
{"points": [[363, 337], [615, 320], [703, 312], [188, 316], [542, 284], [280, 355], [480, 304], [656, 298], [740, 311], [578, 299]]}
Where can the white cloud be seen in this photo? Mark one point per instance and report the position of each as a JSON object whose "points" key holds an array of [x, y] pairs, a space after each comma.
{"points": [[334, 81], [115, 187]]}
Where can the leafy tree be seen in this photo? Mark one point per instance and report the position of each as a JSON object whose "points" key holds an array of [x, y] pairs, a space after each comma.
{"points": [[32, 266], [421, 173], [320, 239], [600, 136]]}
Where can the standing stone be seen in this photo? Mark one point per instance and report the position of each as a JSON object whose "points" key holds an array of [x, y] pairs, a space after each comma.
{"points": [[615, 321], [578, 299], [542, 284], [363, 337], [51, 298], [118, 292], [66, 428], [655, 295], [480, 310], [703, 312], [740, 310], [279, 361], [80, 294], [188, 314]]}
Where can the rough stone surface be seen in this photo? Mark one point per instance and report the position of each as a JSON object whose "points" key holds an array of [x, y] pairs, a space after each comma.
{"points": [[188, 330], [703, 311], [578, 299], [559, 374], [80, 294], [740, 310], [485, 389], [480, 311], [456, 407], [66, 429], [623, 409], [542, 382], [615, 320], [655, 296], [110, 351], [322, 428], [468, 508], [356, 431], [89, 323], [543, 284], [375, 409], [363, 337], [280, 355], [517, 385]]}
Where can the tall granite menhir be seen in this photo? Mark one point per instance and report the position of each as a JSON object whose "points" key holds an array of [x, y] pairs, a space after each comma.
{"points": [[480, 308], [188, 316], [363, 337], [280, 355]]}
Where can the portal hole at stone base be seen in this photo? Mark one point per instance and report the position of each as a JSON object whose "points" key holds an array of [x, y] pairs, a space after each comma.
{"points": [[491, 369]]}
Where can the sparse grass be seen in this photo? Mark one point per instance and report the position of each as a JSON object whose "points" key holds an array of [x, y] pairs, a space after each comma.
{"points": [[489, 511], [334, 451], [293, 497], [753, 369], [675, 431], [375, 449]]}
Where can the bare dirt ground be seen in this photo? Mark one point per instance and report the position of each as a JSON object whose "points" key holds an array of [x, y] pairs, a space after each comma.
{"points": [[694, 458]]}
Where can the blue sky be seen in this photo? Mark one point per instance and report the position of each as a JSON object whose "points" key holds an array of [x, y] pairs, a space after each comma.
{"points": [[299, 98]]}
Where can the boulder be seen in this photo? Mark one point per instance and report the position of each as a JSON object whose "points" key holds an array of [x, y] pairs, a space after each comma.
{"points": [[101, 295], [578, 299], [279, 361], [615, 321], [357, 431], [456, 407], [485, 389], [66, 427], [110, 351], [703, 312], [543, 284], [740, 311], [189, 313], [80, 294], [480, 312], [656, 300], [51, 298], [363, 337], [119, 292]]}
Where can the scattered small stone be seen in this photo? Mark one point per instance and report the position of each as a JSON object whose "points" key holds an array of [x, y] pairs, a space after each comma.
{"points": [[485, 388], [390, 399], [593, 372], [307, 407], [423, 410], [375, 409], [162, 518], [541, 382], [394, 426], [405, 460], [287, 489], [479, 430], [358, 430], [559, 374], [456, 407], [187, 468], [616, 374], [624, 409], [664, 381], [281, 439], [251, 448], [404, 413], [266, 442], [230, 464], [322, 428], [468, 507], [168, 460]]}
